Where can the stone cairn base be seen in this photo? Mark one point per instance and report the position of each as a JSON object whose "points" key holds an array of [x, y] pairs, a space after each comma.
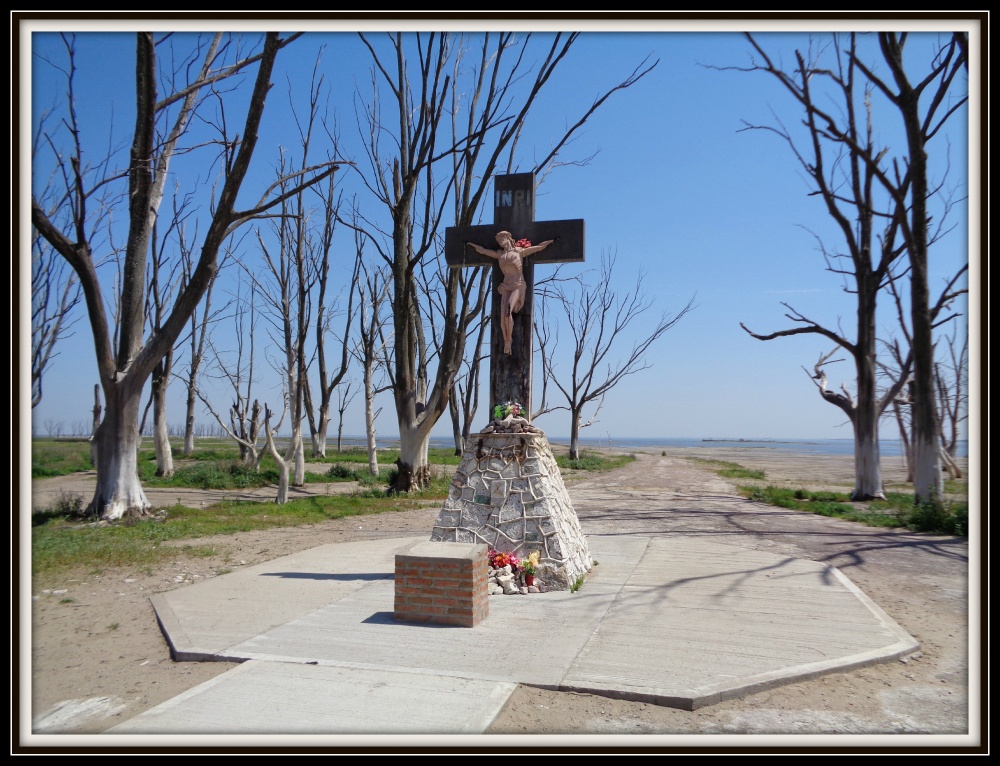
{"points": [[506, 582], [508, 493]]}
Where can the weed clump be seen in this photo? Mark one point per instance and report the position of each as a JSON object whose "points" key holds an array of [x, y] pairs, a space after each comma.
{"points": [[940, 518], [897, 510]]}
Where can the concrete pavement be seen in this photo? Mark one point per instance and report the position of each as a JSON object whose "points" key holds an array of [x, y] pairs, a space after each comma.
{"points": [[673, 621]]}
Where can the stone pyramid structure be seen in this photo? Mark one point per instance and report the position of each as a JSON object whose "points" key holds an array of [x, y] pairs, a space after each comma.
{"points": [[509, 494]]}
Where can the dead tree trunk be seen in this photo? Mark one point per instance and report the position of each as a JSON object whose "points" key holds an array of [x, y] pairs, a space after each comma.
{"points": [[96, 420], [161, 436], [118, 492]]}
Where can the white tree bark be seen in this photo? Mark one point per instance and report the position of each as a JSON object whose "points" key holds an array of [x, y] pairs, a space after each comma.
{"points": [[161, 435], [283, 462], [300, 461], [370, 432], [96, 420], [318, 438], [867, 467], [118, 492], [414, 468]]}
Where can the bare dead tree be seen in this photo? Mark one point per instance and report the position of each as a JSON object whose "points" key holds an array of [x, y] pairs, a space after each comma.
{"points": [[197, 340], [328, 380], [126, 363], [55, 289], [344, 398], [95, 424], [952, 378], [315, 224], [282, 461], [598, 320], [237, 370], [244, 428], [162, 284], [55, 292], [373, 347], [952, 384], [848, 170], [925, 105], [286, 291], [410, 181], [464, 400]]}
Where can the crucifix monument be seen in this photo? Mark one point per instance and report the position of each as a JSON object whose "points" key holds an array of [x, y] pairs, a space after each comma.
{"points": [[507, 491], [544, 242]]}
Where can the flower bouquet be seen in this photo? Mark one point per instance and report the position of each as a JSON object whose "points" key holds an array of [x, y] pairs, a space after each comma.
{"points": [[510, 408], [510, 418], [501, 559], [529, 566]]}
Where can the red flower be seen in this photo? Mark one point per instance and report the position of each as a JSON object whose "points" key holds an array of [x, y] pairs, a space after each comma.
{"points": [[523, 243], [498, 560]]}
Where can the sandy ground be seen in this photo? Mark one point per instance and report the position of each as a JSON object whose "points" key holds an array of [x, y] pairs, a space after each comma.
{"points": [[98, 658]]}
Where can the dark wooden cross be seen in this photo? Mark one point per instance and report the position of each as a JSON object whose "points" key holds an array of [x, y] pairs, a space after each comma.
{"points": [[514, 211]]}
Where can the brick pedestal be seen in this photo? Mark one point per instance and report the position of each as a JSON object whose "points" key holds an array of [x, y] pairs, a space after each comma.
{"points": [[442, 583]]}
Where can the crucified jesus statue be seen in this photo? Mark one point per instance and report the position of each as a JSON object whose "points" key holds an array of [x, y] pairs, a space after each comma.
{"points": [[510, 257]]}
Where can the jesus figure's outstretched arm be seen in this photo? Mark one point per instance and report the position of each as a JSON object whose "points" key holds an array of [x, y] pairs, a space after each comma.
{"points": [[483, 251], [526, 251]]}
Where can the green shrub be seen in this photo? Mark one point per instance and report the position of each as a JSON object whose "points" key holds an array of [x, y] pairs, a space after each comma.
{"points": [[940, 518], [897, 510], [341, 471], [363, 476], [729, 470], [740, 473], [211, 474], [593, 461]]}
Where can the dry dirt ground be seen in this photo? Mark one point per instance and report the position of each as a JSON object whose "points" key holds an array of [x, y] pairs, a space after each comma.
{"points": [[98, 658]]}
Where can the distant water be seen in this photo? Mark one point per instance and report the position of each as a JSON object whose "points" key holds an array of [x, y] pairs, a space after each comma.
{"points": [[887, 447]]}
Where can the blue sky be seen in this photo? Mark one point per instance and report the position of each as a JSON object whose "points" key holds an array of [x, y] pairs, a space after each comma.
{"points": [[699, 207]]}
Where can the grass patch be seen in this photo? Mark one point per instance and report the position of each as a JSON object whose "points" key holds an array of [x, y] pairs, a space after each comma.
{"points": [[219, 474], [740, 473], [51, 457], [729, 470], [436, 455], [956, 487], [897, 510], [216, 451], [61, 542], [593, 461], [364, 477], [436, 489], [215, 474]]}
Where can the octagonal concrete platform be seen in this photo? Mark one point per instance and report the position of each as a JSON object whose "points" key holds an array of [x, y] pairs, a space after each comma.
{"points": [[671, 621]]}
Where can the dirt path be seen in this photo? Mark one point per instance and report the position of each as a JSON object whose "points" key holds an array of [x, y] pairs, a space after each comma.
{"points": [[98, 657]]}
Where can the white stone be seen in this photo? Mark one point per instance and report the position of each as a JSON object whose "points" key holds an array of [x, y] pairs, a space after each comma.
{"points": [[534, 513]]}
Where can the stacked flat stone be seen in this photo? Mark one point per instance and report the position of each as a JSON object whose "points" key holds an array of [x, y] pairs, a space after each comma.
{"points": [[506, 582], [511, 425], [508, 493]]}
